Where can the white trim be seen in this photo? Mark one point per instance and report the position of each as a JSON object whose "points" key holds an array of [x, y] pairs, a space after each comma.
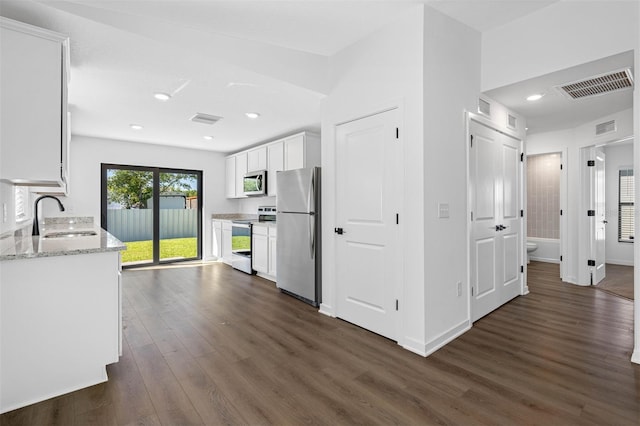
{"points": [[619, 262], [327, 310], [448, 336], [33, 30]]}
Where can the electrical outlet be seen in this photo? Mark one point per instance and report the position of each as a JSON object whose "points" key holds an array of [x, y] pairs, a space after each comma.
{"points": [[459, 288]]}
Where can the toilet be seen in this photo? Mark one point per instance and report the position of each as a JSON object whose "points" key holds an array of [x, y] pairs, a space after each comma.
{"points": [[531, 247]]}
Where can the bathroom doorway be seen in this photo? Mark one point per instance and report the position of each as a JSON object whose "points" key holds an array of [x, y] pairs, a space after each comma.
{"points": [[546, 207]]}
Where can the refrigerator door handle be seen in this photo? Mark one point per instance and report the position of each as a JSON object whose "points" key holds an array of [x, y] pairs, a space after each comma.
{"points": [[312, 233], [310, 200]]}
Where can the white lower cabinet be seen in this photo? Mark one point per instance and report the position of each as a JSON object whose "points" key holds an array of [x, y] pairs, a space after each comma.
{"points": [[216, 239], [226, 242], [263, 251]]}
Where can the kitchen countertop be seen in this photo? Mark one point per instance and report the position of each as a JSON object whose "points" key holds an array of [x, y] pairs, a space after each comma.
{"points": [[234, 216], [21, 245]]}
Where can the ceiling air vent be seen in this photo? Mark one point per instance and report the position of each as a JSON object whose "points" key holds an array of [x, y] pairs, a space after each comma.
{"points": [[598, 85], [511, 121], [484, 107], [205, 118], [606, 127]]}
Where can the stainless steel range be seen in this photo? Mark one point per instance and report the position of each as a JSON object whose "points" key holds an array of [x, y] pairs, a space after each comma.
{"points": [[241, 238]]}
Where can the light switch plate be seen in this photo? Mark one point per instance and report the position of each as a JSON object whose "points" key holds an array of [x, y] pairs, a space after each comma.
{"points": [[443, 210]]}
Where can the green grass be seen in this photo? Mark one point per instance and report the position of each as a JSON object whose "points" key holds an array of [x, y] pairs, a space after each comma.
{"points": [[139, 251], [241, 242]]}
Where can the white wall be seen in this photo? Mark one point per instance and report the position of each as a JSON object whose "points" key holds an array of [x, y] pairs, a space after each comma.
{"points": [[451, 87], [572, 140], [382, 71], [7, 201], [88, 153], [559, 36], [618, 156]]}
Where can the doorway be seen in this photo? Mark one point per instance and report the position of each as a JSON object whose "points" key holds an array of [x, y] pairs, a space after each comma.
{"points": [[156, 212]]}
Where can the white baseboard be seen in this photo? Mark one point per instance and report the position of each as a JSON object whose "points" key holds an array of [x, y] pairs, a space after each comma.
{"points": [[327, 310], [635, 357], [544, 259], [619, 262]]}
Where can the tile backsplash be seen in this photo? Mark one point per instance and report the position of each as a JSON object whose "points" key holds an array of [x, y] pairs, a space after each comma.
{"points": [[543, 195]]}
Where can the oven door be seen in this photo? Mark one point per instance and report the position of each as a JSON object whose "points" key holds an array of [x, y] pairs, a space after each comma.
{"points": [[241, 246]]}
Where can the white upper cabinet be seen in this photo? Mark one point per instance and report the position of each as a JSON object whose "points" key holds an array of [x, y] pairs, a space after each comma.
{"points": [[293, 152], [257, 159], [241, 170], [275, 155], [230, 177], [33, 106]]}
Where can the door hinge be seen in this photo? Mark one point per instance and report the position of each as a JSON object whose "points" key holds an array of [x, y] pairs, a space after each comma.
{"points": [[396, 304], [560, 212], [522, 269], [471, 216], [397, 219], [560, 258], [522, 156], [471, 141], [591, 212], [397, 133], [591, 163], [521, 213], [472, 290], [560, 166], [591, 262]]}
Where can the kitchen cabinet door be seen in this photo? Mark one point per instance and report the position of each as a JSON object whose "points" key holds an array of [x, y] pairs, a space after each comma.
{"points": [[272, 251], [275, 154], [226, 242], [294, 152], [216, 241], [33, 105], [241, 170], [230, 177], [260, 249], [257, 159]]}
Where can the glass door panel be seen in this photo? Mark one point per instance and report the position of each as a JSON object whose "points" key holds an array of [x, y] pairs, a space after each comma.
{"points": [[178, 203], [129, 215]]}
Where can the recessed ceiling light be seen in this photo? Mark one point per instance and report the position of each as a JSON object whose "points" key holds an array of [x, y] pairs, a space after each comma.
{"points": [[535, 97], [136, 126], [161, 96], [209, 138], [252, 115]]}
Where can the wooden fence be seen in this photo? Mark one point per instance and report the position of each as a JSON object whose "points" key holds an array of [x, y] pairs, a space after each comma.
{"points": [[137, 224]]}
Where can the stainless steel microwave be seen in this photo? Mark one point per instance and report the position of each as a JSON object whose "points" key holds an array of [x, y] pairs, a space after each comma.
{"points": [[255, 183]]}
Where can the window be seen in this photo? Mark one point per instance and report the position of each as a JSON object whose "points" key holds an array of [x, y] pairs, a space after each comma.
{"points": [[626, 228], [21, 200]]}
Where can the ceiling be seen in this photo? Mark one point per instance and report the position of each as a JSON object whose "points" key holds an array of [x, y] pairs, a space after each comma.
{"points": [[223, 58]]}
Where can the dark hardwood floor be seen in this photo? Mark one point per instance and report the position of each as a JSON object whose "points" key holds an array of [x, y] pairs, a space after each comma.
{"points": [[618, 280], [211, 345]]}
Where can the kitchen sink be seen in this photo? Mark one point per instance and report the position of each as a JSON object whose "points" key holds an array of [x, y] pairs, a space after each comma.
{"points": [[69, 234]]}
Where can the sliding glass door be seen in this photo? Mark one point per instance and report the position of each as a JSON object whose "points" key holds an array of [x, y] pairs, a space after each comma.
{"points": [[155, 211]]}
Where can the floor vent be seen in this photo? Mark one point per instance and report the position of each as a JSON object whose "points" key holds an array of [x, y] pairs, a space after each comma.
{"points": [[598, 85], [606, 127], [205, 118]]}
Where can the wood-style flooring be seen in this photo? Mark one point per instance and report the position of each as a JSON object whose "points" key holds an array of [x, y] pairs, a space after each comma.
{"points": [[618, 280], [211, 345]]}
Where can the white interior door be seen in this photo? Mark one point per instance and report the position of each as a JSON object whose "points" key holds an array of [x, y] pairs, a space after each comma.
{"points": [[496, 235], [367, 244], [599, 242]]}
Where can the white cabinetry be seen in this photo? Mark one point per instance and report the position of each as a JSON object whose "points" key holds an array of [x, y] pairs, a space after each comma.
{"points": [[263, 250], [257, 159], [216, 238], [33, 106], [226, 242], [275, 156], [60, 325], [241, 170], [230, 177], [272, 251], [290, 153], [260, 248]]}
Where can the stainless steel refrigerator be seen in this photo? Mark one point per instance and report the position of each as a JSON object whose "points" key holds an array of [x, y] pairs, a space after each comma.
{"points": [[298, 244]]}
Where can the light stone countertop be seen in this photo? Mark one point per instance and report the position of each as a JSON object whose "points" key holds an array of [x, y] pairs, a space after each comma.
{"points": [[21, 245], [234, 216]]}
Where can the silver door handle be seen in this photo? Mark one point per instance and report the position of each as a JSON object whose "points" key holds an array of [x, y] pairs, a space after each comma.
{"points": [[312, 233]]}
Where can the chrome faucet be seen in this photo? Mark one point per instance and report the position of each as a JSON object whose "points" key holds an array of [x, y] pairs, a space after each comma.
{"points": [[36, 229]]}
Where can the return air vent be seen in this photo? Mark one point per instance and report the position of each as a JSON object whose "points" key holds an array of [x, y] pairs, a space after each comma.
{"points": [[511, 121], [606, 127], [598, 85], [484, 107], [205, 118]]}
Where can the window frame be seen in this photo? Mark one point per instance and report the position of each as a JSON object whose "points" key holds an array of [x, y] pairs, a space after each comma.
{"points": [[622, 204]]}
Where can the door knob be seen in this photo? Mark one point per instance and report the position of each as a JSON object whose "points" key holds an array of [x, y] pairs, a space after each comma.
{"points": [[605, 221], [338, 231]]}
